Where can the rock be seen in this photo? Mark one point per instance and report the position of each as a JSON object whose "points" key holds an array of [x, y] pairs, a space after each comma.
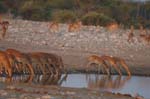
{"points": [[11, 87], [46, 97], [3, 93], [70, 93]]}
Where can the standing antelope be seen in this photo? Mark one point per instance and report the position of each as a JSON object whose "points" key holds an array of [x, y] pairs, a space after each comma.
{"points": [[131, 35], [99, 61], [4, 25], [54, 27], [142, 31], [74, 27], [112, 26], [144, 36]]}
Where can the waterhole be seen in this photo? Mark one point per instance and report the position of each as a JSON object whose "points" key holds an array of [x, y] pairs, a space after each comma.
{"points": [[134, 85]]}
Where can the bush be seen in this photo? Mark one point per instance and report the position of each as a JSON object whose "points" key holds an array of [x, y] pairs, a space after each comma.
{"points": [[37, 14], [3, 9], [94, 18], [61, 4], [64, 16], [35, 10]]}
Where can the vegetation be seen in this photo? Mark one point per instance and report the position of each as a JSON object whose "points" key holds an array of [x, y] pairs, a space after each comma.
{"points": [[94, 18], [90, 12]]}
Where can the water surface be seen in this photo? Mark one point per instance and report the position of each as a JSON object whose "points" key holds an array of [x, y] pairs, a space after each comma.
{"points": [[134, 85]]}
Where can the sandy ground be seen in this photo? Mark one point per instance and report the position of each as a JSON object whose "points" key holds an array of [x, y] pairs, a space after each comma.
{"points": [[25, 91]]}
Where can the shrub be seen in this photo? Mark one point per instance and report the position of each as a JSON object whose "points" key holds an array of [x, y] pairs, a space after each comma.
{"points": [[35, 10], [63, 16], [94, 18]]}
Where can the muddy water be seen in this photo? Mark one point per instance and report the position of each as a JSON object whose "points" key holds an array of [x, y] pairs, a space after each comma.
{"points": [[134, 85]]}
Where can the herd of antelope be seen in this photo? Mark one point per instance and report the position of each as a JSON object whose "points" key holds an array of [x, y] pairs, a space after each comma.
{"points": [[108, 62], [143, 36], [72, 27], [13, 61], [76, 26]]}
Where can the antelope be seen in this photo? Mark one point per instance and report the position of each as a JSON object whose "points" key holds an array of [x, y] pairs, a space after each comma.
{"points": [[112, 26], [53, 60], [113, 62], [44, 64], [36, 63], [131, 35], [99, 61], [73, 27], [15, 68], [144, 35], [21, 60], [54, 27], [4, 25], [5, 64], [142, 31], [146, 38]]}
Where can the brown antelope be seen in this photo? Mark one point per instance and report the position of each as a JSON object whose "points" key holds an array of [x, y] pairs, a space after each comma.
{"points": [[97, 29], [144, 36], [112, 26], [54, 61], [22, 61], [4, 25], [14, 67], [54, 27], [99, 61], [74, 27], [5, 64], [36, 63], [44, 64], [113, 61], [131, 35], [142, 31]]}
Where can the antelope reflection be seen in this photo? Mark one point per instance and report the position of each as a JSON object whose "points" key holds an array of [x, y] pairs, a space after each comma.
{"points": [[38, 79], [106, 82]]}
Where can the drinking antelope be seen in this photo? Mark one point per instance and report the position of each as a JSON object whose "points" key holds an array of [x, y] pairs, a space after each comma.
{"points": [[99, 61]]}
